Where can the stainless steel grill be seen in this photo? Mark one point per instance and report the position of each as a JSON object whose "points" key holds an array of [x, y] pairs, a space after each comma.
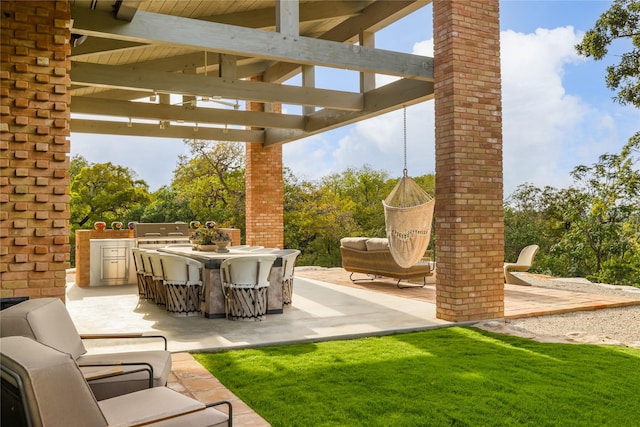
{"points": [[155, 235]]}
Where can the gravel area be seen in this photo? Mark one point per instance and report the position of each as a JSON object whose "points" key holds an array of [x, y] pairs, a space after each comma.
{"points": [[611, 326]]}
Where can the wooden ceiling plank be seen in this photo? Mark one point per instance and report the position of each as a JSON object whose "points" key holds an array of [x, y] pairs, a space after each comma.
{"points": [[196, 34], [197, 85], [150, 111]]}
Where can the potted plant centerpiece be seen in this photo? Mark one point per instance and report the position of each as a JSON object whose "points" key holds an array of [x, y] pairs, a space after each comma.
{"points": [[211, 239]]}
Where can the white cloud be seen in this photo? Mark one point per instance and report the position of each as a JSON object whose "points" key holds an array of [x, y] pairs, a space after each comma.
{"points": [[546, 131]]}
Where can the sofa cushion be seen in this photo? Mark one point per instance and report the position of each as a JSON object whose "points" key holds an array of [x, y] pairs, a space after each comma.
{"points": [[359, 243], [377, 244]]}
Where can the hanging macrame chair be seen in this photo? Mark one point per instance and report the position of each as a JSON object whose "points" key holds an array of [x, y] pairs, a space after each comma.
{"points": [[408, 214]]}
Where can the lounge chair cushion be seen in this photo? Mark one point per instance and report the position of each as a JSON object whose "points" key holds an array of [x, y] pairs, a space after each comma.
{"points": [[359, 243], [45, 320], [115, 386], [377, 244], [56, 392]]}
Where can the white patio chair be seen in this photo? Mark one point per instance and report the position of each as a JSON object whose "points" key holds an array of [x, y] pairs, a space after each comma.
{"points": [[42, 386], [524, 263], [289, 257], [183, 282], [245, 280], [47, 321]]}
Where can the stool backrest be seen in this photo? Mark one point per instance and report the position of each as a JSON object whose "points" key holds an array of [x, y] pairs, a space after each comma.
{"points": [[181, 270], [250, 270]]}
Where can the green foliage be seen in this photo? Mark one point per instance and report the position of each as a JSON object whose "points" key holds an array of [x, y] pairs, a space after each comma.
{"points": [[317, 215], [442, 377], [166, 205], [211, 183], [588, 230], [621, 21]]}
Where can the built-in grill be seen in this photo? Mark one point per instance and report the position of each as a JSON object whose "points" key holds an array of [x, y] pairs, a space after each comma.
{"points": [[155, 235]]}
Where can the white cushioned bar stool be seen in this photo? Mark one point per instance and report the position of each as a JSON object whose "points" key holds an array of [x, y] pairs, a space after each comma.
{"points": [[245, 281], [183, 283]]}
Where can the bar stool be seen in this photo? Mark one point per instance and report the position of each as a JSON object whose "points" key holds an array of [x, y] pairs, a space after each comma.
{"points": [[245, 280], [157, 278], [137, 262], [289, 257], [149, 286], [183, 283]]}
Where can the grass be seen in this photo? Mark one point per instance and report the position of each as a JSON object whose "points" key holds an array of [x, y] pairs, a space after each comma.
{"points": [[443, 377]]}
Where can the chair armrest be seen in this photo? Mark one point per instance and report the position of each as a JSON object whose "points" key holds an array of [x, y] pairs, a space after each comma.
{"points": [[134, 335], [230, 409], [119, 372]]}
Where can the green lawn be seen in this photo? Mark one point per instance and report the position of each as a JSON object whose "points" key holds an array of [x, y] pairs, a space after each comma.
{"points": [[443, 377]]}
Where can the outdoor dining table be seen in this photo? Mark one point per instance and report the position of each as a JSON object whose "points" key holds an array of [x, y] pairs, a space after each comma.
{"points": [[212, 302]]}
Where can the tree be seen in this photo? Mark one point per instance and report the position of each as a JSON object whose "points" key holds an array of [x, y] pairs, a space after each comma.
{"points": [[591, 229], [166, 205], [315, 218], [103, 192], [212, 182], [621, 21]]}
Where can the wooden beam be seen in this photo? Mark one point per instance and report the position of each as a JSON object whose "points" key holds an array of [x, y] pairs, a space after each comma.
{"points": [[175, 132], [348, 31], [390, 97], [185, 84], [149, 111], [313, 11], [288, 17], [196, 34]]}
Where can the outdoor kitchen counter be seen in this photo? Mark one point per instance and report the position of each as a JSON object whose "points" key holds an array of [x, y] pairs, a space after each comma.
{"points": [[212, 305]]}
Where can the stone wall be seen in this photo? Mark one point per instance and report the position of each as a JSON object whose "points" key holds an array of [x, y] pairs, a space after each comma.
{"points": [[469, 190], [34, 148]]}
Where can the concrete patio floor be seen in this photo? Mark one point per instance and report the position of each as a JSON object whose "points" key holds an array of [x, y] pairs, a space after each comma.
{"points": [[326, 305]]}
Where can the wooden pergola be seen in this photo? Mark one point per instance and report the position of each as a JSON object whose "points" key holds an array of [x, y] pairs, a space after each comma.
{"points": [[238, 51]]}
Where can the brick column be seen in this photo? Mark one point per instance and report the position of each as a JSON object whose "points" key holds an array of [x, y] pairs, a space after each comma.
{"points": [[34, 148], [469, 210], [264, 192]]}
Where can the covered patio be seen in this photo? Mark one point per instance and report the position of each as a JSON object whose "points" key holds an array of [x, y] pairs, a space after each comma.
{"points": [[129, 58]]}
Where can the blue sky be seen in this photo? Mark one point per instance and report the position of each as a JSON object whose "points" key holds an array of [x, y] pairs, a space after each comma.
{"points": [[557, 112]]}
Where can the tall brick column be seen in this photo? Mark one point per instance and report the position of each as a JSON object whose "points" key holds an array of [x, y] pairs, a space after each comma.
{"points": [[34, 148], [469, 210], [264, 192]]}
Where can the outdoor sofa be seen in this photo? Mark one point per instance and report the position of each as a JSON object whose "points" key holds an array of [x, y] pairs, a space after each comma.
{"points": [[372, 256]]}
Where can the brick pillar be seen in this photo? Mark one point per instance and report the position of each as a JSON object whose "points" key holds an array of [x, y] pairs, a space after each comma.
{"points": [[264, 192], [469, 210], [34, 148]]}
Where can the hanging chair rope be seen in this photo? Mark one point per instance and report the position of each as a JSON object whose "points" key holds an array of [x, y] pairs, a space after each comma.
{"points": [[408, 212]]}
